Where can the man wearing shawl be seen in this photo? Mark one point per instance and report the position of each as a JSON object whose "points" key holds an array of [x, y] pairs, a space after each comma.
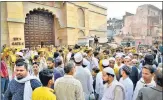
{"points": [[21, 87]]}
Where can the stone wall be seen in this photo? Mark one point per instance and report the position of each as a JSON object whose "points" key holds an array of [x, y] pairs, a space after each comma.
{"points": [[4, 25], [15, 20]]}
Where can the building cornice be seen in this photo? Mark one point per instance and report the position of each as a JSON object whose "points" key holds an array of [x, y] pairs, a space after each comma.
{"points": [[84, 28], [98, 5], [18, 20], [88, 8], [46, 5], [98, 30], [78, 5], [98, 12]]}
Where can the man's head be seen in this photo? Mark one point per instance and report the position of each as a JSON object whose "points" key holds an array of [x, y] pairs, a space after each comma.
{"points": [[117, 50], [50, 63], [85, 63], [89, 52], [108, 75], [69, 68], [96, 54], [58, 61], [84, 55], [36, 58], [46, 77], [60, 51], [41, 53], [19, 55], [135, 56], [70, 49], [4, 46], [36, 67], [126, 70], [106, 52], [127, 61], [149, 58], [105, 63], [111, 62], [95, 71], [56, 54], [148, 73], [140, 56], [78, 58], [159, 76], [130, 55], [118, 58], [149, 51], [155, 51], [21, 69], [134, 62]]}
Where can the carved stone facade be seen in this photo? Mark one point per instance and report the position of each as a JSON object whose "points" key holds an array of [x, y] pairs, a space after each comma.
{"points": [[53, 23]]}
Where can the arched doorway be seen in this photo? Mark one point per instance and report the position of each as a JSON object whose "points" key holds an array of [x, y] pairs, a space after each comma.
{"points": [[39, 28]]}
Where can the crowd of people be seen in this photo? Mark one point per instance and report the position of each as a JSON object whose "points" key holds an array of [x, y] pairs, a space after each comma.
{"points": [[81, 73]]}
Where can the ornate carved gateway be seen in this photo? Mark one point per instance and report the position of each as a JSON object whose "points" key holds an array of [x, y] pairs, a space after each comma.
{"points": [[39, 28]]}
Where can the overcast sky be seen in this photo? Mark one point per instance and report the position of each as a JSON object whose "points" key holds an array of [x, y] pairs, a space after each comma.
{"points": [[118, 9]]}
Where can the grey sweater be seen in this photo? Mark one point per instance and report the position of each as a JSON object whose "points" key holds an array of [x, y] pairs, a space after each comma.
{"points": [[15, 90], [150, 93]]}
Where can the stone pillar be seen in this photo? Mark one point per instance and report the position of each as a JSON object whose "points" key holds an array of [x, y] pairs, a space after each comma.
{"points": [[15, 21]]}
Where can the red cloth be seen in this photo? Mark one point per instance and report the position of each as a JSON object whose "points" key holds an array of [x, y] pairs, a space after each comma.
{"points": [[4, 71]]}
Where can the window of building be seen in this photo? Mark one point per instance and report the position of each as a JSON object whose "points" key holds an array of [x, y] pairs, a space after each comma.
{"points": [[81, 17]]}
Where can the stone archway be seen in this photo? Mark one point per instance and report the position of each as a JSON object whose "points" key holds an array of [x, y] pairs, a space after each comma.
{"points": [[38, 26]]}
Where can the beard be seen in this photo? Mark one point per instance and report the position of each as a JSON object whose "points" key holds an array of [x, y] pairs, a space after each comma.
{"points": [[49, 67], [19, 78], [104, 82]]}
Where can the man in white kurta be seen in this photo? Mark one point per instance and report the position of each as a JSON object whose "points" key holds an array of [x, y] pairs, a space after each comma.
{"points": [[69, 55], [85, 62], [114, 90], [126, 81], [147, 70], [83, 76], [99, 88]]}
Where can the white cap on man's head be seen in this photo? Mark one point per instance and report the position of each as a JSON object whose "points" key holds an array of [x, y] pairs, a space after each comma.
{"points": [[85, 62], [127, 57], [105, 62], [140, 54], [112, 58], [19, 53], [84, 54], [109, 70], [78, 57], [118, 56], [130, 54]]}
